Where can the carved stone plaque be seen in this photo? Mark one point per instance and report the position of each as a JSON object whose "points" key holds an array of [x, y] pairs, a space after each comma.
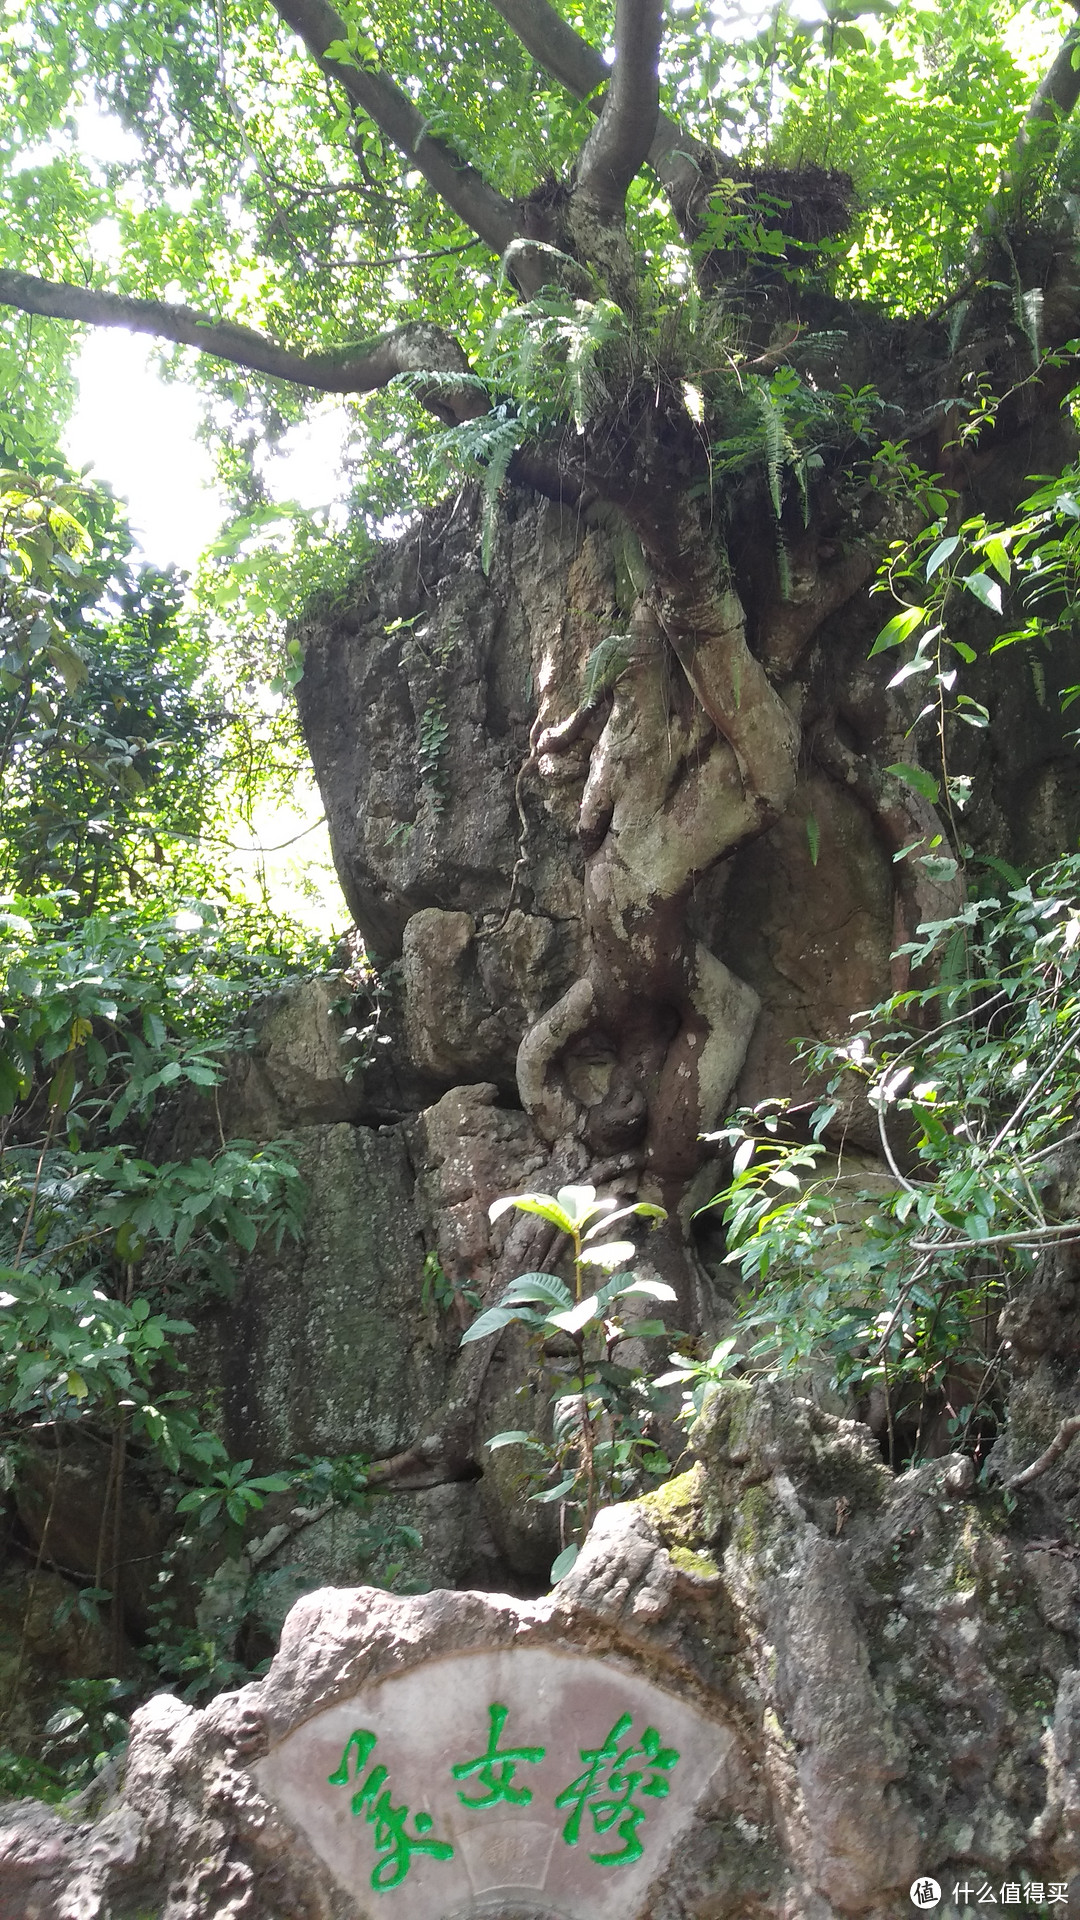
{"points": [[517, 1783]]}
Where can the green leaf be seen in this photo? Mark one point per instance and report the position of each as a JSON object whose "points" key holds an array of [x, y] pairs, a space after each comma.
{"points": [[539, 1203], [547, 1288], [495, 1319], [572, 1319], [609, 1253], [744, 1153], [942, 552], [813, 838], [642, 1209], [10, 1083], [70, 665], [899, 628], [62, 1085], [985, 590], [652, 1289], [563, 1564], [972, 711], [565, 1486], [916, 778], [578, 1203], [939, 869]]}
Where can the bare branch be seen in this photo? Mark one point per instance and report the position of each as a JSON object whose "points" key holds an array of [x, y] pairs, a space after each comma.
{"points": [[460, 185], [623, 135], [1065, 1233], [358, 368], [395, 259]]}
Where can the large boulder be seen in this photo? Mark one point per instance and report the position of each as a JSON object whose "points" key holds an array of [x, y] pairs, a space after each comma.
{"points": [[787, 1686]]}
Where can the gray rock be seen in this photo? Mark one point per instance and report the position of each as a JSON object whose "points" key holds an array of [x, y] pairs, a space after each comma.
{"points": [[325, 1349], [857, 1670]]}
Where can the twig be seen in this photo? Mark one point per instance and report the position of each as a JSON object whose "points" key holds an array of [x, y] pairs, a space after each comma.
{"points": [[903, 1297], [1061, 1441], [1022, 1237], [1029, 1096], [32, 1204], [116, 1575], [885, 1144], [281, 844], [396, 259]]}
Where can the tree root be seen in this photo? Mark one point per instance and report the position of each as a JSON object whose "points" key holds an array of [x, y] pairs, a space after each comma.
{"points": [[1060, 1444]]}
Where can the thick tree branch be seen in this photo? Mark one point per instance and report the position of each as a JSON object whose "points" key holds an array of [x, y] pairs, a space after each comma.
{"points": [[682, 163], [569, 59], [359, 368], [460, 185], [1056, 95], [623, 135], [1036, 143]]}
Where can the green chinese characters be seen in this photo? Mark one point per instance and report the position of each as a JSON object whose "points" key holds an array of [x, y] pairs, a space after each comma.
{"points": [[607, 1788], [617, 1775], [495, 1769], [393, 1844]]}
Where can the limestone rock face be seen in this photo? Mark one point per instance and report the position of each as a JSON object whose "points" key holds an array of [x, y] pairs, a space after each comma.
{"points": [[422, 705], [822, 1682], [463, 850], [323, 1351], [298, 1072]]}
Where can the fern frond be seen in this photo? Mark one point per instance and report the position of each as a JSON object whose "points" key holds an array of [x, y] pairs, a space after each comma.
{"points": [[502, 446], [1031, 306], [1026, 305], [419, 383], [595, 324], [482, 449], [775, 446]]}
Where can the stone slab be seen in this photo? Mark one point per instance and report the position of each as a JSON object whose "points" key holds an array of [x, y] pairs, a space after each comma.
{"points": [[577, 1831]]}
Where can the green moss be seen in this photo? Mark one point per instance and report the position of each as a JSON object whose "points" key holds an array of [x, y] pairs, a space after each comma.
{"points": [[676, 1510], [701, 1564], [755, 1511]]}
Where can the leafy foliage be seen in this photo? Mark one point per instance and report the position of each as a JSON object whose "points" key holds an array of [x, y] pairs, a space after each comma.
{"points": [[600, 1444], [902, 1285], [103, 741], [87, 1729], [121, 985]]}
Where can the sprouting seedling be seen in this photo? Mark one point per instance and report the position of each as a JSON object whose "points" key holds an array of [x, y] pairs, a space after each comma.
{"points": [[590, 1320]]}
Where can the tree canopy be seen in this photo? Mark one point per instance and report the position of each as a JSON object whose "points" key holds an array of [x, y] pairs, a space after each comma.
{"points": [[330, 201]]}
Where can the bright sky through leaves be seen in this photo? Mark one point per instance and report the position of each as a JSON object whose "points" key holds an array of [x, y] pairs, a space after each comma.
{"points": [[140, 434]]}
